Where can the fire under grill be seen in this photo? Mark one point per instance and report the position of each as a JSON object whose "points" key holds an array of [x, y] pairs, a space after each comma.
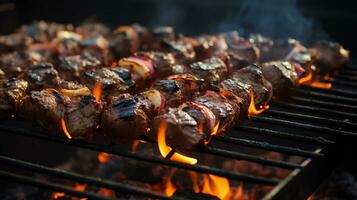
{"points": [[309, 124]]}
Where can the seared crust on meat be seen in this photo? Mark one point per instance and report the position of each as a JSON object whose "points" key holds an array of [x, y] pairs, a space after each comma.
{"points": [[42, 75], [212, 70], [12, 93]]}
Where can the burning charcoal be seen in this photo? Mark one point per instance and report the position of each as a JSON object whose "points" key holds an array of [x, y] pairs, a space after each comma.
{"points": [[12, 93], [329, 56], [212, 70], [42, 75], [126, 118], [14, 42], [190, 194], [281, 75], [113, 81], [72, 67]]}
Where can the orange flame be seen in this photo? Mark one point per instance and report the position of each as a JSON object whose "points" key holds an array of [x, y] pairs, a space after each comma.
{"points": [[80, 187], [215, 129], [310, 197], [134, 145], [103, 157], [97, 91], [57, 195], [106, 192], [169, 188], [165, 150], [306, 79], [252, 110], [319, 84], [239, 193], [64, 128], [216, 186]]}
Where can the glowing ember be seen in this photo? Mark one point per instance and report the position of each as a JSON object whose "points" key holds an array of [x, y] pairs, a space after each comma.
{"points": [[239, 193], [80, 187], [306, 79], [106, 192], [200, 128], [310, 197], [252, 110], [134, 146], [215, 129], [97, 91], [103, 157], [169, 188], [216, 186], [57, 195], [165, 150], [321, 85], [64, 128]]}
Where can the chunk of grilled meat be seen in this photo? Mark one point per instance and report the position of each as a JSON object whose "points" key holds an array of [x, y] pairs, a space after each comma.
{"points": [[181, 130], [67, 47], [113, 81], [47, 107], [126, 118], [212, 70], [281, 75], [190, 85], [42, 75], [72, 67], [13, 64], [82, 116], [329, 56], [124, 41], [171, 92], [92, 30], [282, 50], [14, 42], [99, 48], [12, 93], [41, 31], [163, 63], [245, 51], [183, 51], [252, 76]]}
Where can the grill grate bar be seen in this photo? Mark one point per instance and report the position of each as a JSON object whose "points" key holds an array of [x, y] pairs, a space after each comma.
{"points": [[336, 91], [315, 109], [295, 137], [347, 73], [252, 158], [338, 98], [80, 178], [344, 83], [270, 147], [48, 185], [350, 76], [305, 126], [324, 103], [112, 150], [311, 117]]}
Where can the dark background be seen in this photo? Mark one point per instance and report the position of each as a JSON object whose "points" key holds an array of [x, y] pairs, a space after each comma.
{"points": [[306, 20]]}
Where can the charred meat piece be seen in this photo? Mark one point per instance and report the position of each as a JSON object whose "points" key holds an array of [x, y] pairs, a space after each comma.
{"points": [[225, 111], [124, 41], [12, 93], [13, 64], [41, 31], [212, 70], [14, 42], [241, 90], [191, 85], [99, 48], [158, 36], [181, 130], [252, 75], [67, 47], [47, 107], [282, 50], [329, 56], [281, 75], [183, 51], [42, 75], [245, 51], [171, 91], [82, 116], [126, 118], [72, 67], [163, 63], [113, 81]]}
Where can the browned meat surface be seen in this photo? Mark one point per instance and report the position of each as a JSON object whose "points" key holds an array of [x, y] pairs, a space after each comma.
{"points": [[72, 67], [126, 118], [164, 63], [171, 92], [252, 75], [183, 51], [282, 50], [191, 85], [113, 81], [157, 36], [42, 31], [99, 48], [329, 56], [225, 111], [212, 70], [82, 116], [241, 90], [244, 52], [12, 93], [14, 42], [181, 132], [47, 107], [42, 75], [124, 41], [92, 30], [281, 75], [68, 47], [13, 64]]}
